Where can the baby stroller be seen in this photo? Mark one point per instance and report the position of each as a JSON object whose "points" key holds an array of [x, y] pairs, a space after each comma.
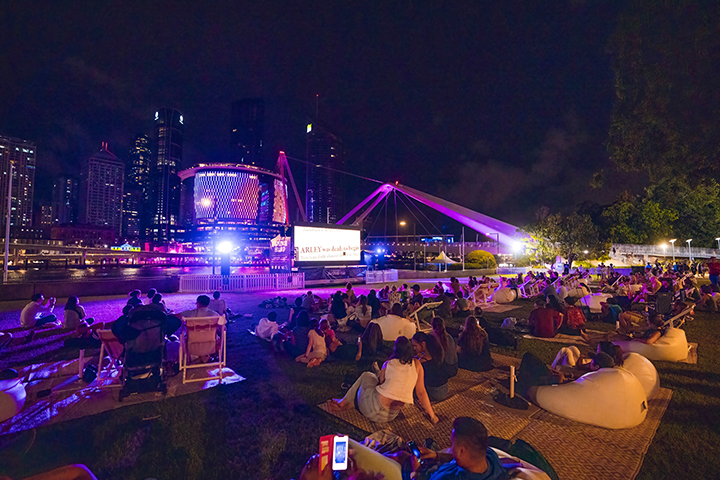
{"points": [[144, 356]]}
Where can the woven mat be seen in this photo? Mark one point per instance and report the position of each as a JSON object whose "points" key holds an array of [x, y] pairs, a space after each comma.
{"points": [[499, 308], [575, 450], [581, 451], [692, 357]]}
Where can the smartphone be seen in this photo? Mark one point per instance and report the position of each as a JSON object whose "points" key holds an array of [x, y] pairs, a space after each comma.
{"points": [[414, 449], [340, 453]]}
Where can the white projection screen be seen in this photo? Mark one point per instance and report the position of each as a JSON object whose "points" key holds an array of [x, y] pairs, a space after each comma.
{"points": [[326, 245]]}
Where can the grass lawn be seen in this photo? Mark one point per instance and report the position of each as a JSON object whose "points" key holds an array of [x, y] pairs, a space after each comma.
{"points": [[267, 426]]}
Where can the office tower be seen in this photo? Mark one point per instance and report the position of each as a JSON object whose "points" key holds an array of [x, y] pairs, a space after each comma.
{"points": [[325, 196], [65, 199], [21, 154], [101, 190], [46, 217], [247, 124], [137, 209], [165, 193]]}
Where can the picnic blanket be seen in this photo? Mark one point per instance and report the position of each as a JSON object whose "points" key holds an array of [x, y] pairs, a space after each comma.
{"points": [[71, 398], [611, 454]]}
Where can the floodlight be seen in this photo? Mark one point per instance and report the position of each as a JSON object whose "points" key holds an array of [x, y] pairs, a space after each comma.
{"points": [[206, 202], [225, 247]]}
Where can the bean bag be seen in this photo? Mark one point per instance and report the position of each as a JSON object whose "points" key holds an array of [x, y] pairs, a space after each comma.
{"points": [[578, 292], [504, 295], [593, 301], [12, 398], [610, 398], [671, 347], [644, 371]]}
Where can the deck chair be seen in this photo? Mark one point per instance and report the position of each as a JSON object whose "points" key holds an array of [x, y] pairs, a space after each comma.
{"points": [[678, 320], [109, 344], [199, 339], [427, 306]]}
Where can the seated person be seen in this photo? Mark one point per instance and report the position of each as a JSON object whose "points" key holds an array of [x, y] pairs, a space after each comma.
{"points": [[218, 304], [395, 325], [473, 347], [294, 311], [708, 298], [460, 308], [649, 332], [296, 342], [471, 457], [374, 303], [338, 307], [316, 350], [363, 312], [159, 304], [150, 295], [352, 298], [438, 288], [201, 310], [447, 342], [308, 301], [544, 322], [75, 313], [134, 299], [38, 313], [431, 356], [445, 309], [393, 297], [610, 310], [331, 341], [573, 319], [381, 397], [267, 328], [416, 295], [455, 287]]}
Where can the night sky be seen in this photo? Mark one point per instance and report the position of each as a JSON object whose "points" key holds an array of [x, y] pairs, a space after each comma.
{"points": [[502, 106]]}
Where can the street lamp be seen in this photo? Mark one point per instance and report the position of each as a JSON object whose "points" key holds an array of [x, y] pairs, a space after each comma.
{"points": [[664, 247], [689, 249], [206, 202], [718, 240], [673, 247], [402, 224]]}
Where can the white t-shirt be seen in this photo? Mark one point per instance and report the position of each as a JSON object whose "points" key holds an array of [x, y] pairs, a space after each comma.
{"points": [[218, 305], [266, 329], [393, 327], [32, 312], [317, 342]]}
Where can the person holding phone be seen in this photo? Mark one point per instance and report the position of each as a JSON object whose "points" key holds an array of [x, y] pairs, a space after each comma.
{"points": [[38, 313], [381, 397]]}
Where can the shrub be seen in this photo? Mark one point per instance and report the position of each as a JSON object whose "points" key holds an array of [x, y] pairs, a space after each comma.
{"points": [[482, 258]]}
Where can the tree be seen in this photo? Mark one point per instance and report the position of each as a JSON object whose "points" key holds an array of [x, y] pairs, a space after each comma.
{"points": [[567, 236], [666, 116], [637, 220], [480, 259]]}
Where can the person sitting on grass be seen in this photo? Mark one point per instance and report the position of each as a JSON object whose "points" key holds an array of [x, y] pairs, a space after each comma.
{"points": [[352, 298], [38, 313], [159, 304], [473, 347], [218, 304], [649, 333], [316, 350], [75, 313], [374, 304], [610, 311], [134, 299], [438, 288], [416, 295], [363, 312], [445, 308], [267, 327], [573, 319], [460, 307], [395, 325], [431, 356], [447, 342], [380, 396], [150, 295], [544, 322], [294, 312], [296, 341], [709, 298]]}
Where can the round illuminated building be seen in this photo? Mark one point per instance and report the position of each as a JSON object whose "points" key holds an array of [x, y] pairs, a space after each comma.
{"points": [[243, 202]]}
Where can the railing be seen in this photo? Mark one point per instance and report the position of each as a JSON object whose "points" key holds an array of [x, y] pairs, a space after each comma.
{"points": [[658, 251], [511, 270], [381, 276], [241, 283]]}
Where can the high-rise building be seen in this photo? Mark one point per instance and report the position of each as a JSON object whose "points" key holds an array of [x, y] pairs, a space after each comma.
{"points": [[247, 124], [21, 154], [165, 192], [46, 215], [137, 207], [101, 190], [65, 199], [325, 196]]}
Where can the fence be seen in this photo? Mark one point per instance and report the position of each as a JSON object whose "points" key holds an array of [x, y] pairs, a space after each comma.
{"points": [[668, 252], [381, 276], [241, 283], [511, 270]]}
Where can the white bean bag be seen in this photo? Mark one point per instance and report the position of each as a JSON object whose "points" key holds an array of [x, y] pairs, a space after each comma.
{"points": [[644, 371], [12, 398], [671, 347], [578, 292], [609, 398], [593, 301], [504, 295]]}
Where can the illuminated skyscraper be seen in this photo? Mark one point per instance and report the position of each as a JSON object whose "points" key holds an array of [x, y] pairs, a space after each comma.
{"points": [[247, 123], [137, 207], [65, 200], [21, 154], [325, 196], [101, 190], [167, 160]]}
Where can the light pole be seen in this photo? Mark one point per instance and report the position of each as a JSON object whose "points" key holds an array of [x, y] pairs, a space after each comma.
{"points": [[402, 224], [673, 247], [206, 202], [718, 240], [664, 248], [689, 249], [7, 225]]}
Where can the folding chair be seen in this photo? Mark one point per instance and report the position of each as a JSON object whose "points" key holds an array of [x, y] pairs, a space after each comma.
{"points": [[679, 318], [426, 306], [109, 344], [199, 338]]}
